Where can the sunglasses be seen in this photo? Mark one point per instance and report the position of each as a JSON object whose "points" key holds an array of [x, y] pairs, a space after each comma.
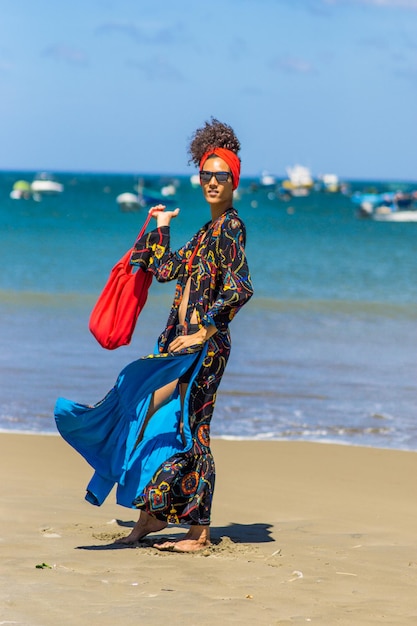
{"points": [[221, 177]]}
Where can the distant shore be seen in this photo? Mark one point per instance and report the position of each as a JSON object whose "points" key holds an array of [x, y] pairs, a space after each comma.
{"points": [[302, 532]]}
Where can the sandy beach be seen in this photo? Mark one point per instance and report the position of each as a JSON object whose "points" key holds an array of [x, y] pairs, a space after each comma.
{"points": [[302, 533]]}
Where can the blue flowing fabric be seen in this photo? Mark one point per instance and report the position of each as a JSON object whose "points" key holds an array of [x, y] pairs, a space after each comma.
{"points": [[105, 434]]}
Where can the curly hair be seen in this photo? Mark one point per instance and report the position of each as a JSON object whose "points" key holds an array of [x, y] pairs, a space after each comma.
{"points": [[213, 134]]}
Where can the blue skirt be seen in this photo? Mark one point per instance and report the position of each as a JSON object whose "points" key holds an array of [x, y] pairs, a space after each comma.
{"points": [[106, 433]]}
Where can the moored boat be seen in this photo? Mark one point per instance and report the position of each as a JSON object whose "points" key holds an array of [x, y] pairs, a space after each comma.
{"points": [[387, 207], [267, 180], [21, 190], [329, 183], [128, 202], [146, 197], [45, 183], [299, 182]]}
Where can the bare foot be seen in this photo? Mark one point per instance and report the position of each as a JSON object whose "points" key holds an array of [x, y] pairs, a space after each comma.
{"points": [[145, 525], [197, 538]]}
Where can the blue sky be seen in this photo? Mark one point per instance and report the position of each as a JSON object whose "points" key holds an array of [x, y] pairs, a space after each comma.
{"points": [[120, 86]]}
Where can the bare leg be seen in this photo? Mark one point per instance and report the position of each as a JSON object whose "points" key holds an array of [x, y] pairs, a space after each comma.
{"points": [[197, 538], [145, 525], [159, 398]]}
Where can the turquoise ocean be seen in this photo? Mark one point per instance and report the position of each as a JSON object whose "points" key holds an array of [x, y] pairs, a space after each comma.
{"points": [[325, 350]]}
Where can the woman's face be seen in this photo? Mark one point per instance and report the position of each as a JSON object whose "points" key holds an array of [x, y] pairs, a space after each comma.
{"points": [[217, 193]]}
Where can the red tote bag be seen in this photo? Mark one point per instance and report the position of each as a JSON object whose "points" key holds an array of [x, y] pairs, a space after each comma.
{"points": [[114, 316]]}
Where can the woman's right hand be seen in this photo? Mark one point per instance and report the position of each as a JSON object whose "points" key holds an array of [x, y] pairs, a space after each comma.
{"points": [[163, 218]]}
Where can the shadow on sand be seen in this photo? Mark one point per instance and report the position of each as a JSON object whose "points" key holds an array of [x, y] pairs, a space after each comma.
{"points": [[237, 533]]}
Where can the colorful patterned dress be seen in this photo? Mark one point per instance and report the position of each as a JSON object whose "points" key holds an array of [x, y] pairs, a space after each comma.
{"points": [[169, 472], [182, 488]]}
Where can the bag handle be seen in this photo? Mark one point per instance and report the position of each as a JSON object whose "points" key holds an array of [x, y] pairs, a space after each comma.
{"points": [[148, 219], [142, 230]]}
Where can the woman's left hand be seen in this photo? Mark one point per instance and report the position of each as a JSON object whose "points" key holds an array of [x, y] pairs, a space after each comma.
{"points": [[186, 341], [163, 217]]}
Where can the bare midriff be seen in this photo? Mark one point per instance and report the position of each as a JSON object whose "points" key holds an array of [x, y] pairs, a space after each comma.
{"points": [[182, 311]]}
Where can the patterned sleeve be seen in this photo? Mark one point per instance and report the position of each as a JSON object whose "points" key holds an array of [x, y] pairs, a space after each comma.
{"points": [[236, 285], [152, 253]]}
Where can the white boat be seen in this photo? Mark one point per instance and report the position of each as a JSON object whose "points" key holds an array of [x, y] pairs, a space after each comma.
{"points": [[299, 181], [146, 197], [195, 180], [395, 216], [267, 180], [128, 202], [387, 207], [45, 183], [330, 183], [168, 190]]}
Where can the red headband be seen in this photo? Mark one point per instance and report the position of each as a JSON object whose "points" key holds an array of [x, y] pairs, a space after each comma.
{"points": [[231, 159]]}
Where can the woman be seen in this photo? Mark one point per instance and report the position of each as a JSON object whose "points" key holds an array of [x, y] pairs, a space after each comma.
{"points": [[175, 389]]}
